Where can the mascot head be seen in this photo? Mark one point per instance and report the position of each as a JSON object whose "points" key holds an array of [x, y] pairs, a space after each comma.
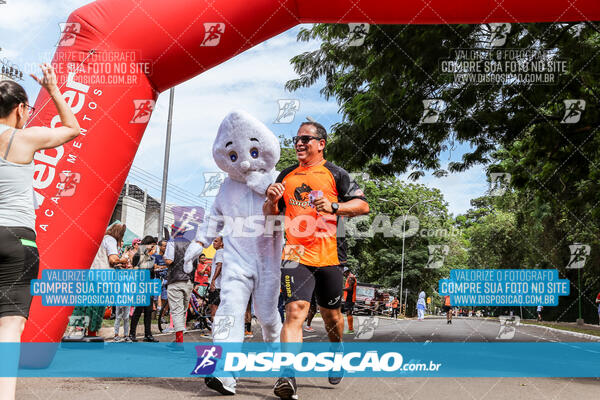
{"points": [[247, 150]]}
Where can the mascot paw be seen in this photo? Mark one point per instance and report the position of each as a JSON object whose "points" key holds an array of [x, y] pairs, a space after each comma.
{"points": [[258, 182]]}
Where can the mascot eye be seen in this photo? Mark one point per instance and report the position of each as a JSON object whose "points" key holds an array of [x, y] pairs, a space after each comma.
{"points": [[254, 153], [233, 156]]}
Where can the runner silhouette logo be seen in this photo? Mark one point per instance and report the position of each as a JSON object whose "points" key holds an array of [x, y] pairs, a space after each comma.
{"points": [[579, 254], [212, 34], [366, 327], [222, 326], [68, 33], [142, 111], [573, 110], [207, 359], [287, 110]]}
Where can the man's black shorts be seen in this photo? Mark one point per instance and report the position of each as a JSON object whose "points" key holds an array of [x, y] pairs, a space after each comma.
{"points": [[214, 297], [300, 281]]}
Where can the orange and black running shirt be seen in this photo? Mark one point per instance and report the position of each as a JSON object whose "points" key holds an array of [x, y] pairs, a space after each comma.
{"points": [[315, 239]]}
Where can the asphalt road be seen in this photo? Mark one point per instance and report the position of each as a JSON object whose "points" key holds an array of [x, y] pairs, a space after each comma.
{"points": [[461, 330], [434, 330]]}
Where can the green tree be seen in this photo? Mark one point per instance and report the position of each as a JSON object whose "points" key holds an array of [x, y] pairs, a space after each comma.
{"points": [[377, 258], [288, 154], [380, 87]]}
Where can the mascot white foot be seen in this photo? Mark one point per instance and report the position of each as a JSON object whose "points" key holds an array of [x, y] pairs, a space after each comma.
{"points": [[248, 151]]}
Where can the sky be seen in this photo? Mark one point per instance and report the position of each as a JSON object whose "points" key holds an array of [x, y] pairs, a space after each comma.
{"points": [[253, 81]]}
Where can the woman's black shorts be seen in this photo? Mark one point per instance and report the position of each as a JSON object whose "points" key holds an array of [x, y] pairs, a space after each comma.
{"points": [[19, 264]]}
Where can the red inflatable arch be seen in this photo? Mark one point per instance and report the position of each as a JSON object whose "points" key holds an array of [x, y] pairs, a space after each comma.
{"points": [[171, 37]]}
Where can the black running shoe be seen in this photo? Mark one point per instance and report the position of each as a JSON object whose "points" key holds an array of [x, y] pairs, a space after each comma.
{"points": [[334, 380], [285, 388], [219, 385]]}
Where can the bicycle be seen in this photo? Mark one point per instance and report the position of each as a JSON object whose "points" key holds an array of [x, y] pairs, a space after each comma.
{"points": [[198, 310]]}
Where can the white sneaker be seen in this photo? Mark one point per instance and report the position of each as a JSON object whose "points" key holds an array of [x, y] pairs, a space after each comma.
{"points": [[223, 385]]}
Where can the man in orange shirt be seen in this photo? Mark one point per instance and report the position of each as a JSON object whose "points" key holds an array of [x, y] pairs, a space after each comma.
{"points": [[314, 194]]}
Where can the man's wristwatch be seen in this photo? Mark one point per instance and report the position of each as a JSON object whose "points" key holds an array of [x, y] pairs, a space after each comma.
{"points": [[334, 208]]}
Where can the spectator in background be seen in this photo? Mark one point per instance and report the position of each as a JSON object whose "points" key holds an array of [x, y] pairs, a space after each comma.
{"points": [[144, 260], [395, 304], [202, 275], [350, 298], [113, 313], [132, 251], [312, 311], [248, 320], [539, 313], [421, 306], [214, 291], [160, 272], [121, 313], [448, 309], [180, 283], [598, 302], [281, 305], [106, 257]]}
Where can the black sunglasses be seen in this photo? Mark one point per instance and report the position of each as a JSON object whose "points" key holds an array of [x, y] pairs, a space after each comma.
{"points": [[304, 138], [31, 109]]}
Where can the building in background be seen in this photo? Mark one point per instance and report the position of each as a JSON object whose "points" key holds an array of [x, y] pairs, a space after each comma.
{"points": [[140, 211]]}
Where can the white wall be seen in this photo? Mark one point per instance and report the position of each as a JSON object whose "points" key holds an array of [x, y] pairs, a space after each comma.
{"points": [[133, 214]]}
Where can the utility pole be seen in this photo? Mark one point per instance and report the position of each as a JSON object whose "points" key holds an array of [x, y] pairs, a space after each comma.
{"points": [[404, 234], [163, 195]]}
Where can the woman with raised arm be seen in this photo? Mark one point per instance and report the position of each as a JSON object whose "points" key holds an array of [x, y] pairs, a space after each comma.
{"points": [[19, 258]]}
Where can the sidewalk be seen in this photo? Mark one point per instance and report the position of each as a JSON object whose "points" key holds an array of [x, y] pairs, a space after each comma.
{"points": [[589, 329]]}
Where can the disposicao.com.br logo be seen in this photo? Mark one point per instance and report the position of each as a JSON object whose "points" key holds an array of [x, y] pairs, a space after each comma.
{"points": [[319, 362]]}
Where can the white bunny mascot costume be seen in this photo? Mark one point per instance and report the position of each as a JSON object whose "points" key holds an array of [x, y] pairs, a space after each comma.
{"points": [[248, 151]]}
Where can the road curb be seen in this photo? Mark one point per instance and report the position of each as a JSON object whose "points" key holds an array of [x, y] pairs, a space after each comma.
{"points": [[578, 334]]}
